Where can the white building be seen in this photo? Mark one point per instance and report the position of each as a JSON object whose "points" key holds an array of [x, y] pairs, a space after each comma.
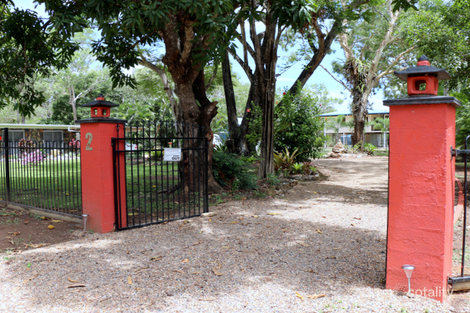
{"points": [[371, 135]]}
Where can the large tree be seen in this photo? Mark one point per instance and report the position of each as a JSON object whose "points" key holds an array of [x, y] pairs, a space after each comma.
{"points": [[192, 33], [317, 23], [373, 49]]}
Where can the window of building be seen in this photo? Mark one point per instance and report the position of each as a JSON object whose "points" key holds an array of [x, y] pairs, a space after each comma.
{"points": [[15, 135], [53, 136]]}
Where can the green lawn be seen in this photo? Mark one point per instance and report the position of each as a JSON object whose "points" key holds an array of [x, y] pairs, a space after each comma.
{"points": [[51, 184]]}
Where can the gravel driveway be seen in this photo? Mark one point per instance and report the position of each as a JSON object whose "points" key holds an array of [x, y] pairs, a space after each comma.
{"points": [[318, 248]]}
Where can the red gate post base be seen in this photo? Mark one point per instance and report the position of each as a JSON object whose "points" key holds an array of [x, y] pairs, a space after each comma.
{"points": [[421, 193], [97, 171]]}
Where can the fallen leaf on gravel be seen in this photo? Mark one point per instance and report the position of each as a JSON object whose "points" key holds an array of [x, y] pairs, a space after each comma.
{"points": [[50, 227], [324, 216], [298, 295], [29, 279], [357, 218], [211, 299], [337, 248], [72, 280], [210, 220], [316, 296], [16, 233], [185, 260], [57, 221], [216, 272], [226, 247], [75, 286], [234, 222], [303, 244], [182, 224], [310, 271], [196, 273], [274, 213], [255, 216], [26, 221], [319, 231], [353, 224], [156, 258], [178, 271], [197, 243], [129, 280], [284, 230], [141, 269]]}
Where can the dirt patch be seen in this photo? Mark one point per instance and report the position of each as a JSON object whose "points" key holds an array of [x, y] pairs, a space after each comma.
{"points": [[20, 230]]}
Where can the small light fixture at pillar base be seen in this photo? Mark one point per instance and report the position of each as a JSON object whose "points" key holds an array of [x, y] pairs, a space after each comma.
{"points": [[85, 218], [408, 272]]}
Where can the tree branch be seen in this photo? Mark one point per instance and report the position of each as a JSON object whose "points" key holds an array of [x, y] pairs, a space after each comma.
{"points": [[339, 81], [244, 65], [389, 68]]}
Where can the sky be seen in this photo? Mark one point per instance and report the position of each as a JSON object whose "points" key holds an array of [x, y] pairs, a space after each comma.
{"points": [[286, 80]]}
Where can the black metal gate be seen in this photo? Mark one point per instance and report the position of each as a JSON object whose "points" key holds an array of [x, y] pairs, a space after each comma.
{"points": [[41, 175], [462, 282], [160, 173]]}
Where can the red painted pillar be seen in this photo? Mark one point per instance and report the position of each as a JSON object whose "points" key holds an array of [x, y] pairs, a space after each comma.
{"points": [[98, 199], [421, 193]]}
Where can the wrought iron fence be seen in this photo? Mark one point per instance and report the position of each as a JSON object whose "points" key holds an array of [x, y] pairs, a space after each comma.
{"points": [[43, 175], [158, 187]]}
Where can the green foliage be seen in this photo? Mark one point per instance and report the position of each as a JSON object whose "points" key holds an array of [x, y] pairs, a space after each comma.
{"points": [[272, 180], [231, 172], [368, 148], [284, 161], [296, 168], [308, 168], [462, 122], [299, 126], [29, 49], [256, 123]]}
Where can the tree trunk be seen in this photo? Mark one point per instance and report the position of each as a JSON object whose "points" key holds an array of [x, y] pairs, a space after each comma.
{"points": [[205, 117], [359, 111], [267, 89], [237, 142]]}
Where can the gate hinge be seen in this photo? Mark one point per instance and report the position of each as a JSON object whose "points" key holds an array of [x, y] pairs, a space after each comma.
{"points": [[455, 152]]}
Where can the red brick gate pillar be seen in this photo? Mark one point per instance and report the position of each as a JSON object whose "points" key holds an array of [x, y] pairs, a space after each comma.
{"points": [[421, 184], [96, 155]]}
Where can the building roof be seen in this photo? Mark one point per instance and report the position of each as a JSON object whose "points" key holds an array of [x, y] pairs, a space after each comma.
{"points": [[39, 126], [344, 112]]}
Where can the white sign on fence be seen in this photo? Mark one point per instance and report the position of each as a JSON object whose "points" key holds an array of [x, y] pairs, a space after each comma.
{"points": [[172, 154]]}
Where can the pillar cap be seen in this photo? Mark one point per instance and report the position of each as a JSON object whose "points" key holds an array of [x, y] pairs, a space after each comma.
{"points": [[423, 99], [424, 68], [100, 102]]}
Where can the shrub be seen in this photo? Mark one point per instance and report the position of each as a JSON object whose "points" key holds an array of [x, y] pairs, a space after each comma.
{"points": [[232, 172], [296, 168], [284, 161], [369, 148], [299, 125]]}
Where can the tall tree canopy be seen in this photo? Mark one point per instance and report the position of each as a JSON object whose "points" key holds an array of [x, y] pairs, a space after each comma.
{"points": [[284, 23], [29, 49], [373, 48]]}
